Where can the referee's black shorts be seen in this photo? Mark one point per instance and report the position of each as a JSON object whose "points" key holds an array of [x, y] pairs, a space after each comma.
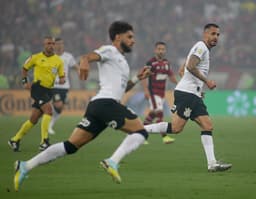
{"points": [[40, 94]]}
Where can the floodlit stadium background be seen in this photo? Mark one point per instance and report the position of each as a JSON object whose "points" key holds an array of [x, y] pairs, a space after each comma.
{"points": [[83, 26]]}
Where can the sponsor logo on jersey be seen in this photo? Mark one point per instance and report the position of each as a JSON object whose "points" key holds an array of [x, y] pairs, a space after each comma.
{"points": [[54, 70]]}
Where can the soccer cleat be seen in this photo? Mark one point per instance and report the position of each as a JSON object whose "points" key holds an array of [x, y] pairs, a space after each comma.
{"points": [[219, 166], [112, 169], [44, 145], [20, 174], [168, 140], [146, 142], [51, 131], [15, 145]]}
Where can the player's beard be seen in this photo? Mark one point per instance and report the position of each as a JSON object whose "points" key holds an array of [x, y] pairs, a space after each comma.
{"points": [[125, 48], [213, 43], [49, 51], [160, 56]]}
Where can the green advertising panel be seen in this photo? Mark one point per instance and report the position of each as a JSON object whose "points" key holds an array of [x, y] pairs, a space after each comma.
{"points": [[233, 103]]}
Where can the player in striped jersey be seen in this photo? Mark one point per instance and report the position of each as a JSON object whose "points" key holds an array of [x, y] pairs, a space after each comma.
{"points": [[154, 86]]}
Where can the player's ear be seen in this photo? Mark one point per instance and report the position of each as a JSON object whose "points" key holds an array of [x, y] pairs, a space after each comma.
{"points": [[118, 37]]}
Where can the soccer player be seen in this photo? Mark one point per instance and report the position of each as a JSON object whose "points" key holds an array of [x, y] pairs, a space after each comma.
{"points": [[188, 103], [104, 109], [46, 66], [60, 91], [154, 86]]}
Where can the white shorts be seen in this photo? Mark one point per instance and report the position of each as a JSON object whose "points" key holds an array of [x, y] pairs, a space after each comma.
{"points": [[156, 103]]}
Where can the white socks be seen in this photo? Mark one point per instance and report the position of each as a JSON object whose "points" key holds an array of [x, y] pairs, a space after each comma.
{"points": [[55, 117], [51, 153], [160, 127], [207, 142], [129, 144]]}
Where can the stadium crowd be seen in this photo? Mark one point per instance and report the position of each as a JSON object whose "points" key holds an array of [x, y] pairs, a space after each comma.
{"points": [[80, 24]]}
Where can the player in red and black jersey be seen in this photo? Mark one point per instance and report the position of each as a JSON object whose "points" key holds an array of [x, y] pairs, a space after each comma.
{"points": [[154, 86]]}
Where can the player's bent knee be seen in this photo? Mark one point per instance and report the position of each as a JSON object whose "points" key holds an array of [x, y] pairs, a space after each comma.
{"points": [[69, 147], [208, 128], [143, 132], [176, 130]]}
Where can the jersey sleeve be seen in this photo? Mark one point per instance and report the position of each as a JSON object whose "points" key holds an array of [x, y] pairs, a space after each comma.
{"points": [[199, 50], [30, 62], [61, 72], [104, 52]]}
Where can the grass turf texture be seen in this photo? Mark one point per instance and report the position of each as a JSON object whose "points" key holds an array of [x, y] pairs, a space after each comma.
{"points": [[174, 171]]}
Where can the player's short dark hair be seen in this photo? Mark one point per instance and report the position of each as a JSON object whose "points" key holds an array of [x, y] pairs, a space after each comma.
{"points": [[160, 43], [209, 25], [119, 27]]}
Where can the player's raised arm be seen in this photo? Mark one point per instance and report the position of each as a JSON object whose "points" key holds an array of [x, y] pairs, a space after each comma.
{"points": [[191, 66], [85, 61]]}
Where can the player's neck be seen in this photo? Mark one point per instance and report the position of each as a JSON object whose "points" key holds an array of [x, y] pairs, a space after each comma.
{"points": [[208, 46], [159, 58], [118, 47]]}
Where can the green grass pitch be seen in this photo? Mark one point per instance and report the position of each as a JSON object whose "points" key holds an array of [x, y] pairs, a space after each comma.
{"points": [[175, 171]]}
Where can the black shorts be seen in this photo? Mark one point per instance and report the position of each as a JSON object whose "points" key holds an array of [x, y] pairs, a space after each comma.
{"points": [[40, 94], [102, 113], [188, 105], [59, 94]]}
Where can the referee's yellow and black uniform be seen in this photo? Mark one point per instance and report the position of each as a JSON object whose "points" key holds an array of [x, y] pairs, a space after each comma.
{"points": [[45, 71], [46, 68]]}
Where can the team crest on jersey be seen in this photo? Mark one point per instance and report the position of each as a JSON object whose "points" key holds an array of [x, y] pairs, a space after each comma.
{"points": [[112, 124], [199, 50], [187, 112], [85, 122], [54, 70], [103, 49]]}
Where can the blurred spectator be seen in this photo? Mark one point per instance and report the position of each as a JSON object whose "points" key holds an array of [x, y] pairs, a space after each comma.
{"points": [[23, 55], [25, 22], [3, 82]]}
